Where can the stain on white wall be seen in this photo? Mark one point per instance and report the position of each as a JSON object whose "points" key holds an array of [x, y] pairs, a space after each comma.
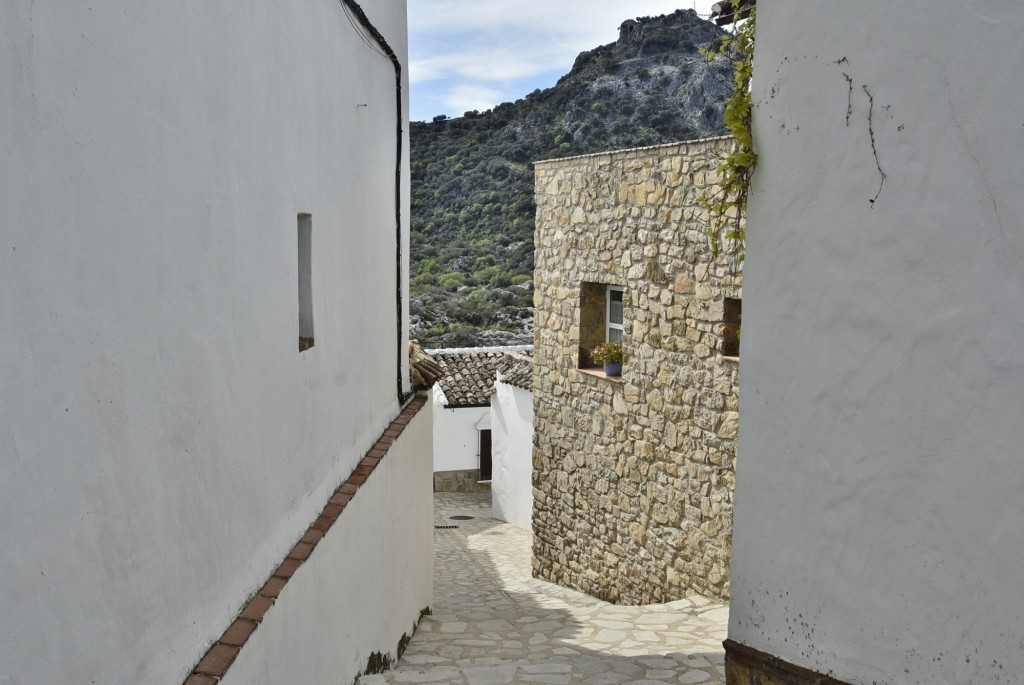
{"points": [[879, 535]]}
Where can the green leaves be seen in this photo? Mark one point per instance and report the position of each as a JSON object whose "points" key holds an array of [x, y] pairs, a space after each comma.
{"points": [[728, 209]]}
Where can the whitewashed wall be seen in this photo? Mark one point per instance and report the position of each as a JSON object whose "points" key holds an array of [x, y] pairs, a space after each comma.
{"points": [[879, 532], [512, 462], [162, 442], [456, 437], [364, 585]]}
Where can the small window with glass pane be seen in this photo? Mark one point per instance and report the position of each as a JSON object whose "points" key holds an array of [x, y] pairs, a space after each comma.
{"points": [[614, 322], [602, 319]]}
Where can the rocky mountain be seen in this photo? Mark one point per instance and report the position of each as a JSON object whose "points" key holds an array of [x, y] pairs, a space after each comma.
{"points": [[472, 176]]}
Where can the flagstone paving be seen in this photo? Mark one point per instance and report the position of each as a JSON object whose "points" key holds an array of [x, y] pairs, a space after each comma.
{"points": [[494, 624]]}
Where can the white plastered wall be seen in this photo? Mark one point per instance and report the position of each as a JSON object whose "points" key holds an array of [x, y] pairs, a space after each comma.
{"points": [[879, 535], [512, 463], [163, 441], [456, 436], [364, 585]]}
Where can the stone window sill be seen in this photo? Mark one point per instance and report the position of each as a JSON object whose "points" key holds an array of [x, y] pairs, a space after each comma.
{"points": [[731, 359], [598, 372]]}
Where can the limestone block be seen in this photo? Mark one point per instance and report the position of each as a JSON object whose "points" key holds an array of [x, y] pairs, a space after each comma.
{"points": [[684, 284], [703, 291], [671, 439], [730, 425], [723, 379]]}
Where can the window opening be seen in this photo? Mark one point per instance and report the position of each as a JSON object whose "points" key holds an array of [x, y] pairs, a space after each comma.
{"points": [[305, 244], [731, 329], [485, 455], [602, 319]]}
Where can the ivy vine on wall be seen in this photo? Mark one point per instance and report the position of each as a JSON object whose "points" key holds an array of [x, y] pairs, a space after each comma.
{"points": [[729, 206]]}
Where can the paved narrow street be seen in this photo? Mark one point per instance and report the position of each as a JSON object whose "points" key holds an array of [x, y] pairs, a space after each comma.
{"points": [[495, 624]]}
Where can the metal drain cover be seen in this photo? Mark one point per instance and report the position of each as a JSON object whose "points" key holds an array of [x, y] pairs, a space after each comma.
{"points": [[444, 527], [460, 517]]}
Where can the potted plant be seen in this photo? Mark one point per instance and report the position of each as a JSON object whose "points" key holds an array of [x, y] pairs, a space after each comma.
{"points": [[610, 355]]}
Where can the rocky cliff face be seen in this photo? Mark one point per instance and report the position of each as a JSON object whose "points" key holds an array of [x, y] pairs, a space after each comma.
{"points": [[656, 62], [472, 201]]}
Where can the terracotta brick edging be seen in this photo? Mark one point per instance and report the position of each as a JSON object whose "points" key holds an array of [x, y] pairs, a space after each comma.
{"points": [[219, 657]]}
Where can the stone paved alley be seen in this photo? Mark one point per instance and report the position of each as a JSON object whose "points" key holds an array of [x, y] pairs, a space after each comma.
{"points": [[493, 623]]}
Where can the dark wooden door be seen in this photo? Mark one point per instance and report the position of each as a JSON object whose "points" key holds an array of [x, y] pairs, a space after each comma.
{"points": [[485, 455]]}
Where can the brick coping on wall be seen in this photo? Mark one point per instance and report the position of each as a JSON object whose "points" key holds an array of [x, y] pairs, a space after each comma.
{"points": [[628, 150], [219, 657]]}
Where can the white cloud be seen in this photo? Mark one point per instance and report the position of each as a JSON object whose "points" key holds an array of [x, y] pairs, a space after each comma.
{"points": [[582, 17], [478, 65], [463, 49], [466, 97]]}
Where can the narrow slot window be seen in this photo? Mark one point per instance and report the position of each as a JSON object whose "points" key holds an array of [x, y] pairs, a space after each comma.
{"points": [[305, 241]]}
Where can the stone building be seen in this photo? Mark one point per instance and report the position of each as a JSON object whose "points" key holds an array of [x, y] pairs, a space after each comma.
{"points": [[633, 475]]}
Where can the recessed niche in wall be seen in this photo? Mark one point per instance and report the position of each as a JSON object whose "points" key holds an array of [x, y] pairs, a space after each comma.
{"points": [[731, 330], [305, 242]]}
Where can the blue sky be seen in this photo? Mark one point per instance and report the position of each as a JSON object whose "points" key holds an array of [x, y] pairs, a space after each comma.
{"points": [[475, 54]]}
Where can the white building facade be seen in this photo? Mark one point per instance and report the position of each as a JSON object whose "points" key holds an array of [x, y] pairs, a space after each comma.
{"points": [[879, 535], [188, 190], [457, 437], [512, 431], [463, 418]]}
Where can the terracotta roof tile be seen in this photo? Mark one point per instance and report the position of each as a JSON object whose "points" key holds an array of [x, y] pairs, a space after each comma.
{"points": [[517, 369], [469, 373], [425, 369]]}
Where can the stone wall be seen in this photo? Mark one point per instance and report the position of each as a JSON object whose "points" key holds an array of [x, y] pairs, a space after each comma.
{"points": [[459, 481], [633, 477]]}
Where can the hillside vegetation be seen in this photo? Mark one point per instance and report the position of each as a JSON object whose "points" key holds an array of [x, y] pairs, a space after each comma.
{"points": [[472, 177]]}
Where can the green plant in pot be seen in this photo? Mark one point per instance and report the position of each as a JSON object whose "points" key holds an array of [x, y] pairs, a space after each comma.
{"points": [[610, 355]]}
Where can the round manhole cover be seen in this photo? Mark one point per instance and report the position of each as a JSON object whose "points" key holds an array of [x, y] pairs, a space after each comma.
{"points": [[460, 517]]}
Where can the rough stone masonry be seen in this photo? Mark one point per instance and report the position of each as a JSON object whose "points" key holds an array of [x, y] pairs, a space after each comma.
{"points": [[633, 477]]}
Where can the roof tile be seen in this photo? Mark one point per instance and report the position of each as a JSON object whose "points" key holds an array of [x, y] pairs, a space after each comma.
{"points": [[470, 373]]}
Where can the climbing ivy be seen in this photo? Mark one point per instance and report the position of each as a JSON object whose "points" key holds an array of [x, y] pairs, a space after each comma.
{"points": [[728, 206]]}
